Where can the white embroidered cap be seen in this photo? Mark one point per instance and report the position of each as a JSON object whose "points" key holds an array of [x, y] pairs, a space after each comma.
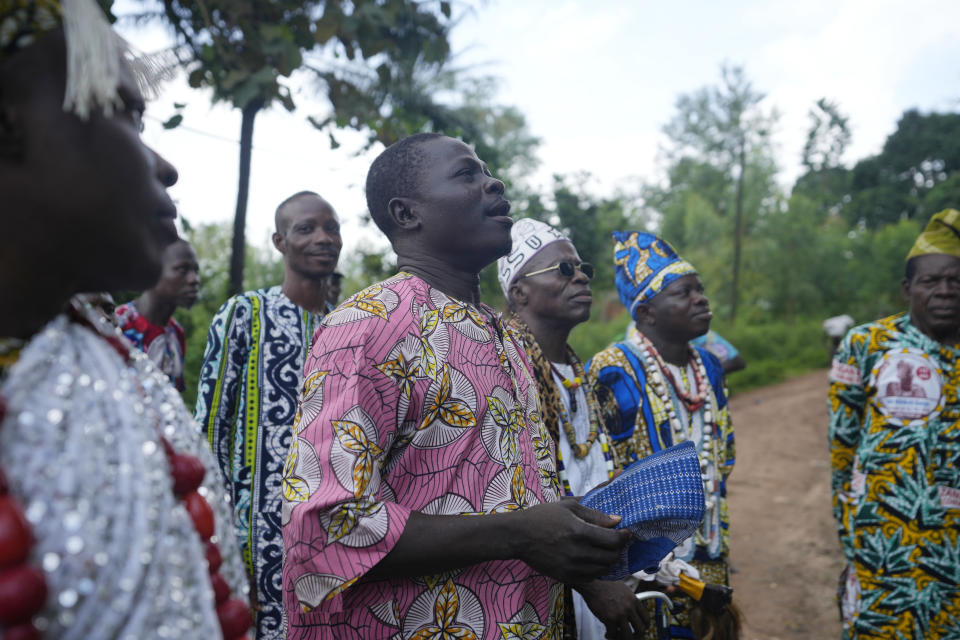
{"points": [[529, 237]]}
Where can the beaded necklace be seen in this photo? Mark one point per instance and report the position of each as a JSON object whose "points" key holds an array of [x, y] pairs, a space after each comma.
{"points": [[18, 607], [543, 369], [23, 588], [553, 408], [596, 435], [570, 385], [694, 398], [603, 440], [580, 449], [667, 392], [187, 472]]}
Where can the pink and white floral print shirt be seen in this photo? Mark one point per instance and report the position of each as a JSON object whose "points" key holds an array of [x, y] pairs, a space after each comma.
{"points": [[412, 401]]}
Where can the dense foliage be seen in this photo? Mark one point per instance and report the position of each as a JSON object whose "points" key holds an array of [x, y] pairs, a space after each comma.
{"points": [[834, 244], [359, 54]]}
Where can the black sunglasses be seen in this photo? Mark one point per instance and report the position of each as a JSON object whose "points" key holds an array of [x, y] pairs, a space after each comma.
{"points": [[566, 269]]}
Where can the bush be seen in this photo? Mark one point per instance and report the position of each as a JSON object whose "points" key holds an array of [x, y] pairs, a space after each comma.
{"points": [[774, 351], [594, 336]]}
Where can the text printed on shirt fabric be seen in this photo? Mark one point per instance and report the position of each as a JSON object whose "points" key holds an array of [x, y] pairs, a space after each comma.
{"points": [[949, 497], [845, 373]]}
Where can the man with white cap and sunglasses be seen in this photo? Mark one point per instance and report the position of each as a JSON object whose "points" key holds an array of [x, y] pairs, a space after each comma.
{"points": [[547, 288]]}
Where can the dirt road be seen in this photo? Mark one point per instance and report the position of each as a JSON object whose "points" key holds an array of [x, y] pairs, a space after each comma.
{"points": [[784, 544]]}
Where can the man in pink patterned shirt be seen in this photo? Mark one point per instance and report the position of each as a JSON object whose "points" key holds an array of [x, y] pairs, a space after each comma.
{"points": [[420, 494]]}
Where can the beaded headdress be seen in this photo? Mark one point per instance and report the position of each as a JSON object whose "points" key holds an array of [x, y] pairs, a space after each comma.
{"points": [[644, 265], [529, 237], [942, 235], [94, 51]]}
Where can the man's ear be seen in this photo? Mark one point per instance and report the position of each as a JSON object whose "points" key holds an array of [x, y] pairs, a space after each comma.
{"points": [[518, 295], [279, 242], [402, 214], [643, 314], [11, 134], [905, 289]]}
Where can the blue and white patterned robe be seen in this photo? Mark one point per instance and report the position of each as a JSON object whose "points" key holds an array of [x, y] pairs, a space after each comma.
{"points": [[246, 403]]}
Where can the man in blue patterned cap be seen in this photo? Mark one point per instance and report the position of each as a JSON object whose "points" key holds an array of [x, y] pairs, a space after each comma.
{"points": [[656, 390]]}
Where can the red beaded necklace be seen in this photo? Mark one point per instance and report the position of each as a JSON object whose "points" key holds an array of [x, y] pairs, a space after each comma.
{"points": [[23, 588], [692, 399], [188, 472]]}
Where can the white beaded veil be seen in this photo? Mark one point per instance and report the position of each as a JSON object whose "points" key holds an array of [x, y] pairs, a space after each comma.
{"points": [[81, 444]]}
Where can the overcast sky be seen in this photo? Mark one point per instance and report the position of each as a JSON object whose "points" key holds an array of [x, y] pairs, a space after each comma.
{"points": [[596, 81]]}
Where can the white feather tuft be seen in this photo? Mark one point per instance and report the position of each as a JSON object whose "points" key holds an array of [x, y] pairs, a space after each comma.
{"points": [[93, 59]]}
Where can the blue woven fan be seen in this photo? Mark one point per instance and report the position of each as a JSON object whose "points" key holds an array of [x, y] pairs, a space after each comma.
{"points": [[660, 499]]}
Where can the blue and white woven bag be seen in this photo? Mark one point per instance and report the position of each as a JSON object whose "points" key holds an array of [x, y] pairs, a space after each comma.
{"points": [[660, 499]]}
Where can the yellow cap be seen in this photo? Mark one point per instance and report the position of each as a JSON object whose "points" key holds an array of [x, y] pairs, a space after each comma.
{"points": [[942, 235]]}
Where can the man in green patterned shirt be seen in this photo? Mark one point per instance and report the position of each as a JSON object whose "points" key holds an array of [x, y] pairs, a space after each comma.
{"points": [[895, 453]]}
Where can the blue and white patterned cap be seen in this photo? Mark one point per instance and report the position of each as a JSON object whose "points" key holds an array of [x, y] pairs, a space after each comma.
{"points": [[660, 499], [644, 265]]}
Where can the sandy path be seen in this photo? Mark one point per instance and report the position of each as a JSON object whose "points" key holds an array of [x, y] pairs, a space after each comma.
{"points": [[784, 544]]}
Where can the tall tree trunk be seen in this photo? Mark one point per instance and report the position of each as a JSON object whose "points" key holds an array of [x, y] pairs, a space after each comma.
{"points": [[738, 232], [243, 191]]}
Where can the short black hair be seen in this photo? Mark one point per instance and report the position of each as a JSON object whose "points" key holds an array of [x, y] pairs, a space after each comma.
{"points": [[394, 174], [911, 268], [278, 216]]}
